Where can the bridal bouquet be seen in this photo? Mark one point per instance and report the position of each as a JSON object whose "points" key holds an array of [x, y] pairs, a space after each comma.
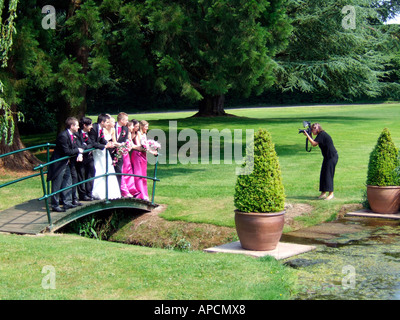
{"points": [[151, 144], [121, 150]]}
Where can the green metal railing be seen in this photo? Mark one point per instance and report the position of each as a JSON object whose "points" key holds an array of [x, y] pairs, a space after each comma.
{"points": [[46, 145], [46, 186]]}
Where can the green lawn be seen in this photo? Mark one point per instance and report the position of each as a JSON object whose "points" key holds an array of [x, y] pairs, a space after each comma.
{"points": [[88, 269]]}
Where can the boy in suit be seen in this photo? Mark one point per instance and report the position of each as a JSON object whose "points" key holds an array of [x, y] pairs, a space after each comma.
{"points": [[60, 172]]}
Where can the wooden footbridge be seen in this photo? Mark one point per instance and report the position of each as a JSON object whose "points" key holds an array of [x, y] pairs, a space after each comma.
{"points": [[34, 216]]}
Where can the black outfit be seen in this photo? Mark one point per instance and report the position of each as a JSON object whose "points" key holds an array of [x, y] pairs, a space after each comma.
{"points": [[97, 137], [59, 173], [121, 138], [85, 169], [330, 160]]}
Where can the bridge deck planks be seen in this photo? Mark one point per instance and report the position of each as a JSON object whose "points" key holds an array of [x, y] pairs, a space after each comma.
{"points": [[31, 218], [25, 218]]}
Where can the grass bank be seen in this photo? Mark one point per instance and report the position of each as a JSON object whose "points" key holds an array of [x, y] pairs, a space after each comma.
{"points": [[83, 268]]}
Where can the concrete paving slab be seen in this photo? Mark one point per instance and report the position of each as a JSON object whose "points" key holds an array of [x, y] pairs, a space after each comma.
{"points": [[370, 214], [282, 251]]}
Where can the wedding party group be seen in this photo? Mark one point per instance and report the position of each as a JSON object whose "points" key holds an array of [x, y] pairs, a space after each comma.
{"points": [[121, 146]]}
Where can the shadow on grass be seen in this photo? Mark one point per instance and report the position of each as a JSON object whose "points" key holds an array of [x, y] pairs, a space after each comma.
{"points": [[246, 121]]}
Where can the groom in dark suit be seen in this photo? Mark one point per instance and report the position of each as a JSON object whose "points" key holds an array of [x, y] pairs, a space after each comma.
{"points": [[59, 173], [121, 135], [96, 133]]}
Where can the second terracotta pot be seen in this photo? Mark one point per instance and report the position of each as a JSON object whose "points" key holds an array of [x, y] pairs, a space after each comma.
{"points": [[384, 200]]}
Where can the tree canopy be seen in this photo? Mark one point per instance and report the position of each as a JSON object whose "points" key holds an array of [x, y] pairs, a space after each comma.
{"points": [[327, 58], [204, 49]]}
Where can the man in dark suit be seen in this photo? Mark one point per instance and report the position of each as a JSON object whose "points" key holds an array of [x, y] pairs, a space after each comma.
{"points": [[60, 172], [121, 135], [96, 135], [85, 169]]}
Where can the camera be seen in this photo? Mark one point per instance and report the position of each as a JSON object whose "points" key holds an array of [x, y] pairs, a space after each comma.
{"points": [[307, 126]]}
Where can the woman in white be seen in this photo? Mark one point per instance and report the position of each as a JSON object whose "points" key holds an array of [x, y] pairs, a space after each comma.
{"points": [[99, 156]]}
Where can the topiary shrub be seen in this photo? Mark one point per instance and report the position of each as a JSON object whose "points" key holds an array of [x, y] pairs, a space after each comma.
{"points": [[384, 162], [261, 190]]}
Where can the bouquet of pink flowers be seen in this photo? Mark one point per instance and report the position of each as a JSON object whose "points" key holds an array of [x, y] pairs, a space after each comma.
{"points": [[154, 145], [121, 150], [151, 145]]}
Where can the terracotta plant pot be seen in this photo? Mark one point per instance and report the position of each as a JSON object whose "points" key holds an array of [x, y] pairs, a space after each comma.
{"points": [[385, 200], [259, 231]]}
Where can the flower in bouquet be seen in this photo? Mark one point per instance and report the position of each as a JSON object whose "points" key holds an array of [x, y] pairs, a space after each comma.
{"points": [[152, 145], [121, 150]]}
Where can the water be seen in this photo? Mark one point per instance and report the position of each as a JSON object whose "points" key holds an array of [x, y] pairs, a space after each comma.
{"points": [[361, 265]]}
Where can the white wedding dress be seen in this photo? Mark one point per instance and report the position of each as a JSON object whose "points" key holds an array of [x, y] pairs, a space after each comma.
{"points": [[99, 185]]}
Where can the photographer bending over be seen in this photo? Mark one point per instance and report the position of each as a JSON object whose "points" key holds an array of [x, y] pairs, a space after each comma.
{"points": [[324, 141]]}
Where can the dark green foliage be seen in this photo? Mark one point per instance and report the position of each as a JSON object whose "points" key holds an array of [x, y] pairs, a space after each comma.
{"points": [[211, 47], [325, 58], [384, 162], [99, 226], [261, 190]]}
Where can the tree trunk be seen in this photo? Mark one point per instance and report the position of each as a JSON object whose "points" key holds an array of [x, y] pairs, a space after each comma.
{"points": [[212, 106], [23, 160], [20, 161], [81, 52]]}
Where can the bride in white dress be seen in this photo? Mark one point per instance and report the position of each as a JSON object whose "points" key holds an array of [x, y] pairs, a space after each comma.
{"points": [[99, 157]]}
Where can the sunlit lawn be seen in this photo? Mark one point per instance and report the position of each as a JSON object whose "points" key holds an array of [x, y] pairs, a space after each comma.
{"points": [[72, 267]]}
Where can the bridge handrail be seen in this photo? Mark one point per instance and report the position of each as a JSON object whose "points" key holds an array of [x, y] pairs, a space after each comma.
{"points": [[47, 194], [29, 148], [42, 165], [48, 145]]}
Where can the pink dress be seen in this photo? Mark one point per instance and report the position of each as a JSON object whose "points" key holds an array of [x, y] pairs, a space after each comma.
{"points": [[139, 161], [128, 182]]}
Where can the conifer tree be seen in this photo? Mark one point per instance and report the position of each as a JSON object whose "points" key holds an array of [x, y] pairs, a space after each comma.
{"points": [[204, 49], [329, 56]]}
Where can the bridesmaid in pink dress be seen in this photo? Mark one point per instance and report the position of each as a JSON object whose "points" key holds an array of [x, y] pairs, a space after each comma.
{"points": [[128, 187], [139, 160]]}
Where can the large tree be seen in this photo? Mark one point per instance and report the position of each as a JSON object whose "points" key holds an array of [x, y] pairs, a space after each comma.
{"points": [[58, 64], [79, 56], [204, 49]]}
